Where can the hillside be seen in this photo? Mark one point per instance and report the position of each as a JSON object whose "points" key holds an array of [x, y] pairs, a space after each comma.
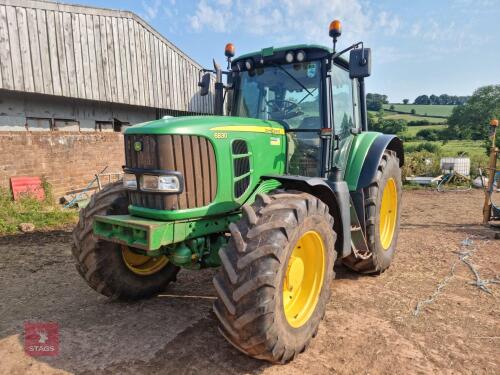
{"points": [[390, 115], [423, 110]]}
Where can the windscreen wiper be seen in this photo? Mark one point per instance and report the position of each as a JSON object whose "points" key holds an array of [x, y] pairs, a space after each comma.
{"points": [[292, 77], [306, 96]]}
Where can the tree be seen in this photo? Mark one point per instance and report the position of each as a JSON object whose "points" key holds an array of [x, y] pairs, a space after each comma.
{"points": [[445, 99], [428, 134], [346, 124], [389, 126], [470, 120], [380, 114], [406, 101], [422, 99], [413, 112], [392, 107], [374, 102], [372, 119]]}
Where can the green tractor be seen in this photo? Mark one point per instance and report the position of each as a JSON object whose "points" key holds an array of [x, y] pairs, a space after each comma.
{"points": [[273, 194]]}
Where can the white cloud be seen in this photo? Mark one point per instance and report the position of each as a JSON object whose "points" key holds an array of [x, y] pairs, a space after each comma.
{"points": [[389, 23], [211, 16], [447, 35], [283, 20], [415, 29], [151, 9]]}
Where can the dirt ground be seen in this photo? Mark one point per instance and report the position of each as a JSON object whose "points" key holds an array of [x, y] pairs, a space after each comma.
{"points": [[369, 326]]}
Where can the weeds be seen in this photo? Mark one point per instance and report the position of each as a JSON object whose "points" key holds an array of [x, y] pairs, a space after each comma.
{"points": [[43, 215], [421, 163]]}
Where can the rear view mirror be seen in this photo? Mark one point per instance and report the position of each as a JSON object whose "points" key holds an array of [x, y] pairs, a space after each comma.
{"points": [[204, 84], [360, 64]]}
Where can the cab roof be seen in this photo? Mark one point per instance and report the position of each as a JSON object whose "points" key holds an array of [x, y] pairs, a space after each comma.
{"points": [[270, 51]]}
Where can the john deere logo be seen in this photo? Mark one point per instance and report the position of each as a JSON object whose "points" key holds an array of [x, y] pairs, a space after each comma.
{"points": [[138, 146]]}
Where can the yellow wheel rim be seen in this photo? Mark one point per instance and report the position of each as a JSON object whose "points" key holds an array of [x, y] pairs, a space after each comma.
{"points": [[142, 264], [388, 213], [304, 278]]}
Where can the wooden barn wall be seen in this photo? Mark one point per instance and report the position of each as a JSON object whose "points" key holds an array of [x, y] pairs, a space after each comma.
{"points": [[96, 54]]}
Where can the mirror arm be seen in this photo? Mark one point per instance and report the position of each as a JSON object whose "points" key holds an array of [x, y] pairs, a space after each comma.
{"points": [[226, 72], [333, 56]]}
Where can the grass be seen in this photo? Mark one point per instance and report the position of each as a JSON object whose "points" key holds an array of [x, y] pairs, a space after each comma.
{"points": [[398, 116], [43, 215], [420, 109], [412, 131], [471, 148], [410, 117], [457, 147]]}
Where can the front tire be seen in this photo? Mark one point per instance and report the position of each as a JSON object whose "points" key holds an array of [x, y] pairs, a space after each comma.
{"points": [[112, 269], [274, 283]]}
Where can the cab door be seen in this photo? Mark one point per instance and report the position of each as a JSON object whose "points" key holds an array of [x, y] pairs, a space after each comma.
{"points": [[346, 114]]}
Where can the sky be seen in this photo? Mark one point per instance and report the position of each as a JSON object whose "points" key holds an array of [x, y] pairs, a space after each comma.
{"points": [[418, 47]]}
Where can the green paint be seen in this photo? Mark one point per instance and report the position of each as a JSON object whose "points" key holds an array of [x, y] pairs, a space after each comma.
{"points": [[357, 155], [197, 253], [269, 51], [267, 156], [150, 235], [264, 188]]}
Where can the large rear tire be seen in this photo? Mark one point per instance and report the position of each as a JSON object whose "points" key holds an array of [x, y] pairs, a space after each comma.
{"points": [[382, 210], [274, 283], [111, 269]]}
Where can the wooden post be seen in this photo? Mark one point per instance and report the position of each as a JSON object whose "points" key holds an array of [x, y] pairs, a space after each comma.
{"points": [[99, 186], [491, 173]]}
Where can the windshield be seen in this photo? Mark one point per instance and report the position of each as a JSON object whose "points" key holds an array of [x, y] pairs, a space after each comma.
{"points": [[285, 93]]}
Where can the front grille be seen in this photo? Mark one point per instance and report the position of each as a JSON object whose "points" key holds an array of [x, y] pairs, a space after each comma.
{"points": [[241, 186], [191, 155], [241, 167], [240, 147]]}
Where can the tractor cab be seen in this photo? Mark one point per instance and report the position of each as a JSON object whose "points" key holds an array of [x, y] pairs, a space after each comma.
{"points": [[299, 87], [315, 93]]}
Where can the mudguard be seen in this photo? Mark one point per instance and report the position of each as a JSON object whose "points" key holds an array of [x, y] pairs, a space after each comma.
{"points": [[335, 195], [365, 156]]}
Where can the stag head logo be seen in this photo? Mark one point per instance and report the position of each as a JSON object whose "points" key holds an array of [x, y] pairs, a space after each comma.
{"points": [[43, 336]]}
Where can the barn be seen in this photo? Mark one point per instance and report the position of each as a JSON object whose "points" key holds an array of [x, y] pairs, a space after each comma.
{"points": [[72, 78]]}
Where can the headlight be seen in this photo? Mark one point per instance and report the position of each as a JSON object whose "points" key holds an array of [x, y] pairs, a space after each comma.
{"points": [[160, 183], [249, 64], [289, 57], [301, 56], [129, 181]]}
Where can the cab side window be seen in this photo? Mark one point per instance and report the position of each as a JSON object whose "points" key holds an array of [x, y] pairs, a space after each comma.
{"points": [[343, 105]]}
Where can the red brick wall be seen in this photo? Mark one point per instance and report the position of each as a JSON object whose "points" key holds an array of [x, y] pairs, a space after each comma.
{"points": [[68, 160]]}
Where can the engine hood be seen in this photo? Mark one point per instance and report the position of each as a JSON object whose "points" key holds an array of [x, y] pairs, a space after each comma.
{"points": [[205, 125]]}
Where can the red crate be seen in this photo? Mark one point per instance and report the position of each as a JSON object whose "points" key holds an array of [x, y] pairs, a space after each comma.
{"points": [[22, 186]]}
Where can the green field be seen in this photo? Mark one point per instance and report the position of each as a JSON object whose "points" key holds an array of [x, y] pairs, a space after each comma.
{"points": [[409, 117], [412, 131], [397, 116], [429, 110]]}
